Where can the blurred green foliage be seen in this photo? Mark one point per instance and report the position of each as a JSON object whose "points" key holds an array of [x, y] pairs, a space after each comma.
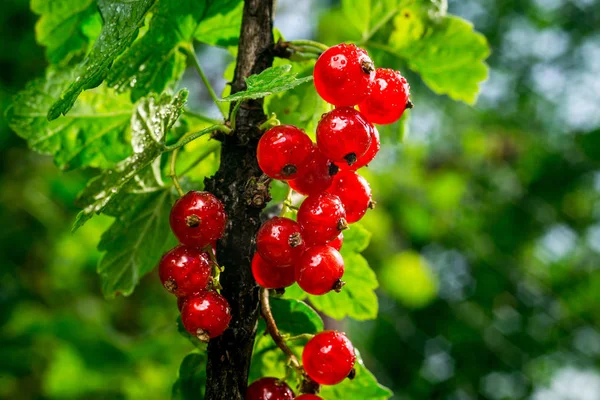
{"points": [[486, 235]]}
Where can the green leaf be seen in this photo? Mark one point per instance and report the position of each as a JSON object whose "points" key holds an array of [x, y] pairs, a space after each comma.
{"points": [[191, 383], [365, 15], [271, 80], [66, 27], [149, 124], [357, 299], [135, 242], [122, 20], [295, 317], [156, 60], [94, 134], [449, 57], [363, 386]]}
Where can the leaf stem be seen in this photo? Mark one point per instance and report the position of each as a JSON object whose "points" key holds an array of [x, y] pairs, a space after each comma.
{"points": [[272, 121], [173, 174], [309, 43], [287, 203], [216, 268], [189, 138], [304, 336], [192, 56]]}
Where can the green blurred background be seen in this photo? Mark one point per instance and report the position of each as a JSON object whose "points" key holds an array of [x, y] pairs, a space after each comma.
{"points": [[486, 237]]}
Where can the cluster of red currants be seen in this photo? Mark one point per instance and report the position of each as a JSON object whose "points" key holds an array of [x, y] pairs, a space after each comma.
{"points": [[198, 220], [328, 358], [306, 251]]}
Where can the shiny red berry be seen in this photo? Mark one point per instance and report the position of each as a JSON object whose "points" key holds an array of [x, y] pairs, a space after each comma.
{"points": [[198, 219], [344, 135], [366, 158], [388, 98], [284, 152], [184, 270], [279, 241], [269, 389], [269, 276], [343, 75], [320, 270], [206, 315], [308, 397], [354, 192], [337, 242], [322, 218], [328, 357], [318, 177]]}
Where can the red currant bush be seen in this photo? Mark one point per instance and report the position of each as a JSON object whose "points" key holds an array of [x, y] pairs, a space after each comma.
{"points": [[308, 397], [269, 389], [283, 152], [184, 270], [337, 242], [343, 75], [269, 276], [279, 241], [354, 192], [328, 357], [206, 315], [320, 270], [388, 98], [344, 135], [369, 156], [318, 177], [198, 219], [322, 218]]}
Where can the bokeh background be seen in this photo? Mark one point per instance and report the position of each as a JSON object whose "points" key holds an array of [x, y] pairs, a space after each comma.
{"points": [[486, 237]]}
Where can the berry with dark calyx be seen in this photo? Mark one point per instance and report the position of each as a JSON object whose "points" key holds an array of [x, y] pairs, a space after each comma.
{"points": [[344, 135], [279, 241], [308, 397], [328, 357], [337, 242], [284, 152], [269, 389], [354, 192], [322, 218], [198, 219], [184, 270], [269, 276], [366, 158], [206, 315], [320, 270], [343, 75], [388, 98], [318, 177]]}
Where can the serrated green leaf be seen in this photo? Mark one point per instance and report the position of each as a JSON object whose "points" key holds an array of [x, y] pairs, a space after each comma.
{"points": [[149, 124], [191, 383], [365, 15], [94, 134], [135, 242], [363, 386], [64, 27], [156, 60], [357, 299], [295, 317], [122, 20], [271, 80], [449, 57]]}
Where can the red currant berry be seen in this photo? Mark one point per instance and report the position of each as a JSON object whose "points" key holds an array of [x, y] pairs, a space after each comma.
{"points": [[328, 357], [388, 98], [206, 315], [184, 270], [279, 241], [344, 135], [343, 75], [269, 276], [284, 152], [322, 218], [308, 397], [354, 192], [198, 219], [318, 177], [269, 389], [337, 242], [366, 158], [320, 270]]}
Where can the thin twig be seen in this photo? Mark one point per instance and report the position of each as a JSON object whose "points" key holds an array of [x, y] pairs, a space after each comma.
{"points": [[192, 56], [174, 173], [186, 139], [309, 43], [287, 203]]}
